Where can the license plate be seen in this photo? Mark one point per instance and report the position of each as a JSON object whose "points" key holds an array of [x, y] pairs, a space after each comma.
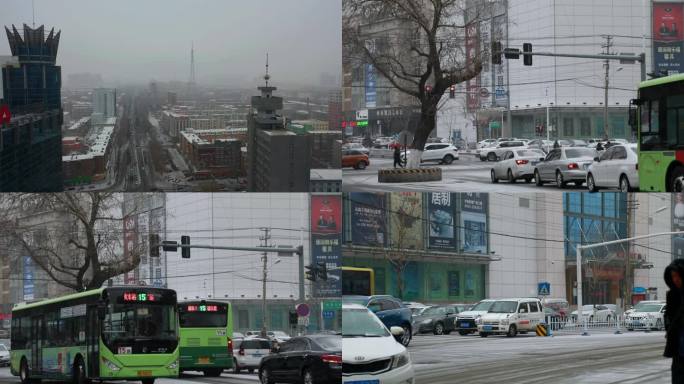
{"points": [[144, 373], [203, 360], [465, 325], [487, 327], [364, 382]]}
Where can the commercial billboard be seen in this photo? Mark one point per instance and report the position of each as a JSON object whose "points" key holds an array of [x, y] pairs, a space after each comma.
{"points": [[441, 220], [130, 229], [29, 283], [326, 239], [368, 219], [371, 91], [668, 37], [471, 52], [406, 220], [474, 237], [499, 71]]}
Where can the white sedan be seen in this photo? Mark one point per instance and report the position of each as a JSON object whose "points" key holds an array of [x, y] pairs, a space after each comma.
{"points": [[517, 164], [438, 152], [595, 312], [370, 353], [647, 316], [617, 167]]}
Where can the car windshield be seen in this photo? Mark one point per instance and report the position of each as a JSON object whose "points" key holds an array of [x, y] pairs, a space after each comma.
{"points": [[256, 344], [3, 348], [278, 333], [432, 311], [482, 306], [589, 307], [580, 142], [330, 343], [504, 307], [531, 153], [573, 153], [361, 323], [355, 300], [648, 308]]}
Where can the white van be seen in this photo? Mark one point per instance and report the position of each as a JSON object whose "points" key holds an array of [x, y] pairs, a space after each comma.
{"points": [[511, 316]]}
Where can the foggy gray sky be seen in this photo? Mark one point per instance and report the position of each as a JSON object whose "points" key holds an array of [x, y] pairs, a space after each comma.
{"points": [[140, 40]]}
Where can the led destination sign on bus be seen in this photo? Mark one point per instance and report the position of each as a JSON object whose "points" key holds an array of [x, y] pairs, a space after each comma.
{"points": [[202, 308], [139, 297]]}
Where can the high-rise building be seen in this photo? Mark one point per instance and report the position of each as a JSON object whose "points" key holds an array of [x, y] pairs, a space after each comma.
{"points": [[278, 159], [31, 144], [104, 102]]}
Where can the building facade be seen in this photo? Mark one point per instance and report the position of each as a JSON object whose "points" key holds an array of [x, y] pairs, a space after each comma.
{"points": [[104, 102]]}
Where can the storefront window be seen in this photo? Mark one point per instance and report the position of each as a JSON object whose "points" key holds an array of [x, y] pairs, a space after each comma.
{"points": [[568, 127]]}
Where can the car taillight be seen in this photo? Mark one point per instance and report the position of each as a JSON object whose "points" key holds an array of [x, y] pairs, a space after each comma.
{"points": [[521, 162], [230, 345], [241, 352], [573, 166], [334, 359]]}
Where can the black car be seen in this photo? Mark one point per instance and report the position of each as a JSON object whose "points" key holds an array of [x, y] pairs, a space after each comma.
{"points": [[438, 319], [307, 359]]}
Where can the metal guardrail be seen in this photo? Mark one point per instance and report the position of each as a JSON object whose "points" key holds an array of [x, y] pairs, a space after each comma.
{"points": [[617, 325]]}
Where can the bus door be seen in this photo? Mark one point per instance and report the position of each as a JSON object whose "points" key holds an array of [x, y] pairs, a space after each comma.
{"points": [[93, 342], [36, 345]]}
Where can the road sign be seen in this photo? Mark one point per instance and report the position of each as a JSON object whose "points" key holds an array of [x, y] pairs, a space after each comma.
{"points": [[484, 93], [304, 321], [332, 305], [544, 289], [303, 310], [362, 114], [328, 314], [405, 137], [5, 115]]}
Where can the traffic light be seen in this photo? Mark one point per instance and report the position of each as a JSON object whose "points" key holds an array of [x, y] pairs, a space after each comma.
{"points": [[322, 271], [185, 252], [527, 59], [452, 92], [300, 250], [293, 317], [311, 273], [496, 52], [154, 245]]}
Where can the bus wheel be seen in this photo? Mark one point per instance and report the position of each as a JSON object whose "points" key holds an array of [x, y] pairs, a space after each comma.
{"points": [[24, 372], [148, 381], [676, 183], [79, 376]]}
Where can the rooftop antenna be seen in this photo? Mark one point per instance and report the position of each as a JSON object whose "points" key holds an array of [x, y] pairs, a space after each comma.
{"points": [[267, 77], [192, 63], [33, 5]]}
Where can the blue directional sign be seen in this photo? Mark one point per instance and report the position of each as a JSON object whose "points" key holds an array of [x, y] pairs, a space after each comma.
{"points": [[544, 289], [328, 314]]}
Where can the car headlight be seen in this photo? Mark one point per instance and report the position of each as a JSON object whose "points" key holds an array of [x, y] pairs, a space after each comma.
{"points": [[173, 365], [400, 360], [478, 320], [504, 321], [111, 366]]}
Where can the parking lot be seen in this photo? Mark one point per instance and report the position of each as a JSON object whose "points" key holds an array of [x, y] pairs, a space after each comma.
{"points": [[630, 357]]}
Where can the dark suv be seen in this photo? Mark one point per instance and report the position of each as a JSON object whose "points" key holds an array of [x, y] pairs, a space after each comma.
{"points": [[390, 310]]}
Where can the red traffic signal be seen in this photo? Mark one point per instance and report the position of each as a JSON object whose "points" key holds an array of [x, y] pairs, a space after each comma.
{"points": [[5, 115], [452, 92]]}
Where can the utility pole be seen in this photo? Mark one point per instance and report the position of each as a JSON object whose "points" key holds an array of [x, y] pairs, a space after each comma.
{"points": [[264, 243], [509, 118], [609, 43]]}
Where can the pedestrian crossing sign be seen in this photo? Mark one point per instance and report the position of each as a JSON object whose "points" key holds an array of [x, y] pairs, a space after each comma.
{"points": [[544, 289]]}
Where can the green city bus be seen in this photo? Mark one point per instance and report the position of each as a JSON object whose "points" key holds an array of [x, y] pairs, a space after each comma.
{"points": [[658, 120], [114, 333], [206, 336]]}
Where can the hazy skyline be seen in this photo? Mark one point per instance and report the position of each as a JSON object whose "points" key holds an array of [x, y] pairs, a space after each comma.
{"points": [[129, 41]]}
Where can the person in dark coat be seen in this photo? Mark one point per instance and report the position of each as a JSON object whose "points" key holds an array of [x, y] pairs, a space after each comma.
{"points": [[397, 157], [556, 144], [599, 146], [674, 319]]}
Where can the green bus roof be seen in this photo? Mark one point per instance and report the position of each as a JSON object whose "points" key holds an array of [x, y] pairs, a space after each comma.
{"points": [[40, 303], [662, 80]]}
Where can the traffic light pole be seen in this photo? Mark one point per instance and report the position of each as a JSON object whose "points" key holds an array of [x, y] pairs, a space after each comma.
{"points": [[641, 58]]}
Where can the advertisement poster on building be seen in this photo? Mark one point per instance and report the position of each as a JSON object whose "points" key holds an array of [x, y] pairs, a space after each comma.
{"points": [[486, 74], [471, 51], [474, 222], [371, 91], [441, 220], [130, 229], [368, 218], [500, 85], [668, 37], [29, 284], [406, 220], [326, 239], [678, 225]]}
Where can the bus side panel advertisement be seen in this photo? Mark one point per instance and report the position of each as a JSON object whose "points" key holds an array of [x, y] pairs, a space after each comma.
{"points": [[441, 216], [326, 239], [368, 222], [668, 37]]}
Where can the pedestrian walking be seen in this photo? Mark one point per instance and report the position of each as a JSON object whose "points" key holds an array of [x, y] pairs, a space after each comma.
{"points": [[674, 319], [397, 157]]}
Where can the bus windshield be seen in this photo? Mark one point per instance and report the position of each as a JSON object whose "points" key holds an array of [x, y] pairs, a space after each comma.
{"points": [[132, 322], [203, 319]]}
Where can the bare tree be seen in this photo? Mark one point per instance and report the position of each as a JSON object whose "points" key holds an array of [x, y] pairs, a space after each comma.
{"points": [[76, 238], [422, 55]]}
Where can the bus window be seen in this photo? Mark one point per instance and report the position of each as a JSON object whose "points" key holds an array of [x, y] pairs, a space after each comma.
{"points": [[650, 123]]}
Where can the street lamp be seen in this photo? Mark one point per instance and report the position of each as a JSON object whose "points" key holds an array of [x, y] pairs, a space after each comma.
{"points": [[578, 261]]}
